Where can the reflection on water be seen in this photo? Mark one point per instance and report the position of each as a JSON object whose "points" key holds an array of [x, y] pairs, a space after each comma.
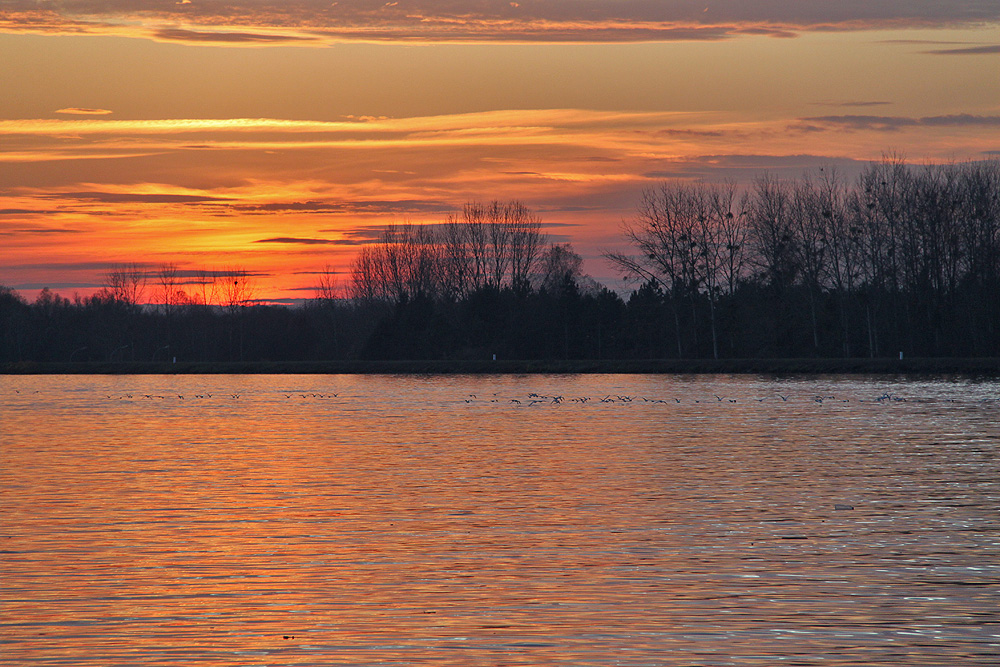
{"points": [[600, 520]]}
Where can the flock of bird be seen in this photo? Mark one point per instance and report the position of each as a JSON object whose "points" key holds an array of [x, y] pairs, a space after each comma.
{"points": [[181, 397], [542, 399], [533, 398]]}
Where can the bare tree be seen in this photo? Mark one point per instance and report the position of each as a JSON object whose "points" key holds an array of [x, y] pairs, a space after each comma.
{"points": [[126, 283], [732, 235], [500, 235], [477, 236], [457, 271], [526, 241], [809, 229], [424, 262], [771, 229], [367, 284], [168, 292], [408, 254], [980, 193], [665, 232], [238, 288], [405, 263], [720, 240], [843, 246], [881, 207], [207, 285], [559, 265], [328, 288], [495, 245]]}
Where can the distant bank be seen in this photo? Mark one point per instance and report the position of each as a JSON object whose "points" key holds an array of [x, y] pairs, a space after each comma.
{"points": [[917, 366]]}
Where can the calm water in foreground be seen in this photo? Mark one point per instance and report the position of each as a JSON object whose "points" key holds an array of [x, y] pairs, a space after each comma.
{"points": [[362, 520]]}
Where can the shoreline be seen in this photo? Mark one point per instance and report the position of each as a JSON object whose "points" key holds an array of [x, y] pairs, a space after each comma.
{"points": [[915, 366]]}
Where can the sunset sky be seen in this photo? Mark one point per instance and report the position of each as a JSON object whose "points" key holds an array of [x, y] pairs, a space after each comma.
{"points": [[279, 136]]}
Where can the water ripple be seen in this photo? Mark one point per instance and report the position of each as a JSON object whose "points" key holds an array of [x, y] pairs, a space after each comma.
{"points": [[320, 520]]}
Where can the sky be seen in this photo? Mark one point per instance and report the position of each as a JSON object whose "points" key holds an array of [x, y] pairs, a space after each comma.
{"points": [[278, 137]]}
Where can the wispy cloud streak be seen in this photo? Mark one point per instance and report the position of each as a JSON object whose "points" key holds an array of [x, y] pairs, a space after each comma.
{"points": [[76, 111], [281, 196], [892, 123], [249, 22], [991, 49], [307, 241]]}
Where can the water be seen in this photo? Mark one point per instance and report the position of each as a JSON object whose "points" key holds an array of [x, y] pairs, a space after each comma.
{"points": [[362, 520]]}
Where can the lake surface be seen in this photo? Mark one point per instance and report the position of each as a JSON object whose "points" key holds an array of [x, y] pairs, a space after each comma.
{"points": [[385, 520]]}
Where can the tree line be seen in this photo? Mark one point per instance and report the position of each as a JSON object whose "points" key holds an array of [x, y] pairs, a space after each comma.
{"points": [[903, 258]]}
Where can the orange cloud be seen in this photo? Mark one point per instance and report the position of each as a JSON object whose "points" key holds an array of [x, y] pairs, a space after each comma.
{"points": [[84, 112], [286, 160], [302, 21], [286, 196], [228, 37]]}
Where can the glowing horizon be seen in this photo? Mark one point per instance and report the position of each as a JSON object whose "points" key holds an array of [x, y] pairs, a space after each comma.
{"points": [[144, 135]]}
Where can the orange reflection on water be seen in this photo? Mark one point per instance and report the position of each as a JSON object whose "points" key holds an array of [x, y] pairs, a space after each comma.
{"points": [[397, 523]]}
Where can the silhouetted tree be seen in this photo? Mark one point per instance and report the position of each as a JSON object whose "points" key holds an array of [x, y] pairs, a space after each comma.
{"points": [[902, 259]]}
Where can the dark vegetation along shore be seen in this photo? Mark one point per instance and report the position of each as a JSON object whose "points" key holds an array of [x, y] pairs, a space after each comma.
{"points": [[814, 275], [937, 367]]}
